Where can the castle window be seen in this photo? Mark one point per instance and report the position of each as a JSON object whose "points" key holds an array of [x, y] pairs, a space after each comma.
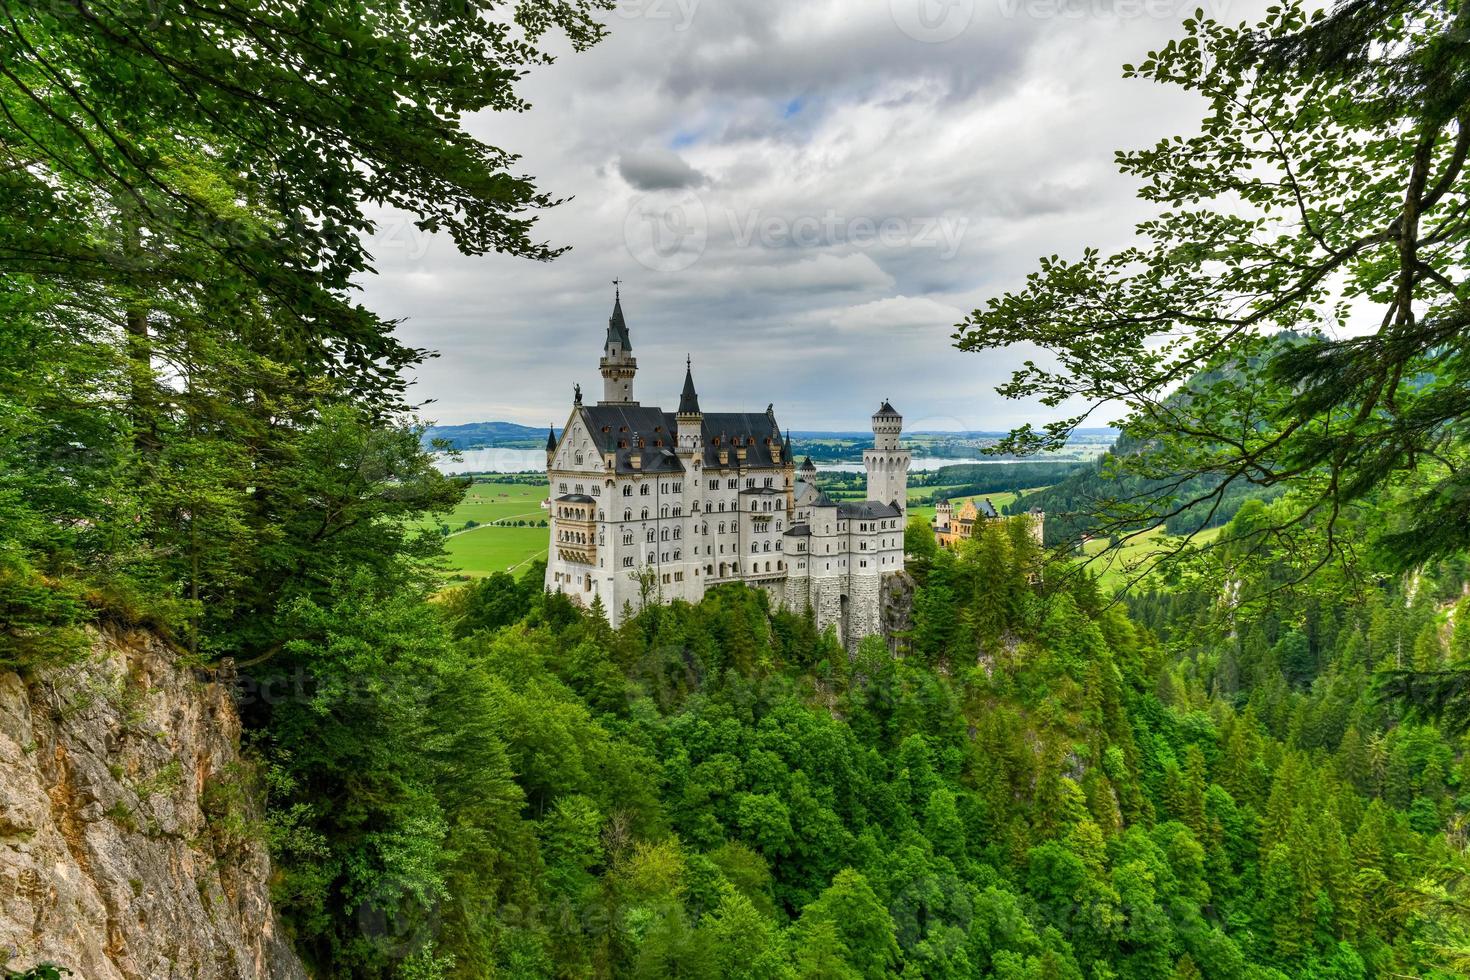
{"points": [[778, 525], [722, 527], [596, 490], [676, 554], [714, 484], [561, 487], [627, 490], [730, 484], [627, 515], [579, 459], [650, 535], [754, 547], [628, 561], [676, 533], [643, 489], [665, 534], [769, 480], [645, 513]]}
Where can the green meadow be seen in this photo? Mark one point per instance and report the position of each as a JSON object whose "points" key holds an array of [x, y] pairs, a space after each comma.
{"points": [[478, 551]]}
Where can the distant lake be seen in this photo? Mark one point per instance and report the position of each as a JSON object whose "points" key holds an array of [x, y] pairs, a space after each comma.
{"points": [[534, 461]]}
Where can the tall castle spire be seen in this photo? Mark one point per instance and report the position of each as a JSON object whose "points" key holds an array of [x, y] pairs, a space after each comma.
{"points": [[690, 419], [618, 364], [689, 399]]}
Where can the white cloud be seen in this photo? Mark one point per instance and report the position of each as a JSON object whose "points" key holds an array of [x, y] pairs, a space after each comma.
{"points": [[816, 120]]}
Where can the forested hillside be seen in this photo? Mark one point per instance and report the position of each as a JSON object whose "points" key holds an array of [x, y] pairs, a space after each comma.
{"points": [[718, 791]]}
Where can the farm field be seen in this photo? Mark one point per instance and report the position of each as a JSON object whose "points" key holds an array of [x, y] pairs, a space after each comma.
{"points": [[1114, 572], [486, 502], [481, 550], [485, 550]]}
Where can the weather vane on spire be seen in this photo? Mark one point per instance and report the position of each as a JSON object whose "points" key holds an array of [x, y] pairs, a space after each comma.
{"points": [[617, 288]]}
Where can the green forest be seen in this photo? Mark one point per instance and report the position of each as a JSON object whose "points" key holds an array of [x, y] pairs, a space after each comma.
{"points": [[1252, 763]]}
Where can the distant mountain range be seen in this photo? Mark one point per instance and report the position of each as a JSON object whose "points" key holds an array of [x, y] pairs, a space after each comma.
{"points": [[510, 435], [487, 435]]}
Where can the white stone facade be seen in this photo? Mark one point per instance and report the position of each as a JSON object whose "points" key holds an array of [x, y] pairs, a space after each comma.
{"points": [[648, 506]]}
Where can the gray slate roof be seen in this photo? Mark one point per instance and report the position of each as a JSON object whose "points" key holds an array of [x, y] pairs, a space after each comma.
{"points": [[866, 510], [688, 400], [610, 424], [617, 327], [798, 530], [575, 498], [886, 409]]}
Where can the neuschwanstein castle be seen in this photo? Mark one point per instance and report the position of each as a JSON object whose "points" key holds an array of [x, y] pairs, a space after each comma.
{"points": [[648, 505]]}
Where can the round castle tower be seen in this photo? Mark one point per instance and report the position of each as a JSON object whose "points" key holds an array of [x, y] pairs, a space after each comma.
{"points": [[886, 463]]}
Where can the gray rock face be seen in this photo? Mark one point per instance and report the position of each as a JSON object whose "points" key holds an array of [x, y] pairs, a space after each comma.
{"points": [[130, 842]]}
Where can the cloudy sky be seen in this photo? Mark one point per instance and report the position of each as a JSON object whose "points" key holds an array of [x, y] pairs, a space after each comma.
{"points": [[805, 195]]}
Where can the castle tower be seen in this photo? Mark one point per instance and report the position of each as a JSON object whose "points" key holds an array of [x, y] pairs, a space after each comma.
{"points": [[943, 514], [618, 364], [886, 463], [690, 419], [550, 445]]}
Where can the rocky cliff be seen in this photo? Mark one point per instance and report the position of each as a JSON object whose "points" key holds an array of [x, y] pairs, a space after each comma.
{"points": [[130, 842]]}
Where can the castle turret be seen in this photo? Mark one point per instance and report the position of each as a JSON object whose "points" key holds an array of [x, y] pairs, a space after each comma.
{"points": [[550, 445], [690, 419], [618, 364], [886, 463]]}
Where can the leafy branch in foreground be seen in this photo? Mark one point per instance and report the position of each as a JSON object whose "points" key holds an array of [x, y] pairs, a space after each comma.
{"points": [[1325, 194]]}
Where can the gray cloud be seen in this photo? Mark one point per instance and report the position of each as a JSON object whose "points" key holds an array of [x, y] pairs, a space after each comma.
{"points": [[706, 120], [658, 170]]}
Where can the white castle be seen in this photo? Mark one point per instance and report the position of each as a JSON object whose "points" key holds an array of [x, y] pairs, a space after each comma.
{"points": [[648, 506]]}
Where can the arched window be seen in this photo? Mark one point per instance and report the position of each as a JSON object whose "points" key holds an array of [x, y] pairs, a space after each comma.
{"points": [[645, 513], [627, 490], [627, 515]]}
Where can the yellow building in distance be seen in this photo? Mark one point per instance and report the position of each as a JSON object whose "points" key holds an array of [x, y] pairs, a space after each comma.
{"points": [[951, 526]]}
